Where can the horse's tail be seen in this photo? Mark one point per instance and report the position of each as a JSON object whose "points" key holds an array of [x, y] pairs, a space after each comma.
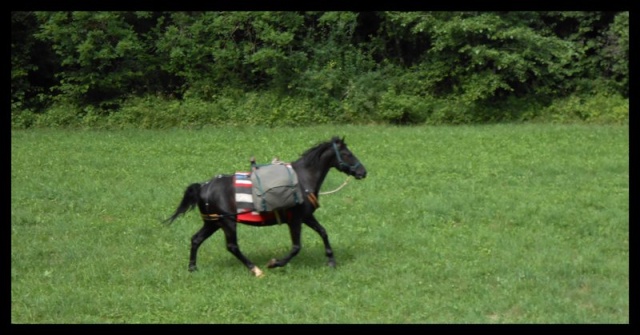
{"points": [[189, 201]]}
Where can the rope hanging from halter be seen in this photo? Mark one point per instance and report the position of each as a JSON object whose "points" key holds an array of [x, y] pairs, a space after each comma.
{"points": [[339, 187]]}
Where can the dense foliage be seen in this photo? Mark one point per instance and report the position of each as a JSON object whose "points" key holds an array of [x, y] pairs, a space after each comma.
{"points": [[315, 67]]}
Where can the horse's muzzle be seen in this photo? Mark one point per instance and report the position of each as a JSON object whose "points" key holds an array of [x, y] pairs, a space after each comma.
{"points": [[360, 174]]}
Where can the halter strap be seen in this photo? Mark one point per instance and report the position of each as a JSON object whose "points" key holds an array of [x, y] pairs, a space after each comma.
{"points": [[341, 162]]}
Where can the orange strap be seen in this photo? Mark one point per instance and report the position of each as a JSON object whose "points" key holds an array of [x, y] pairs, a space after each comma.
{"points": [[314, 201]]}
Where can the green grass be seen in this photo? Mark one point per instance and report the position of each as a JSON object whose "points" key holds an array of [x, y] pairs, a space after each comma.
{"points": [[468, 224]]}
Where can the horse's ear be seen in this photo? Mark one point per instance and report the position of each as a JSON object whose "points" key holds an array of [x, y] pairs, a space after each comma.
{"points": [[342, 143]]}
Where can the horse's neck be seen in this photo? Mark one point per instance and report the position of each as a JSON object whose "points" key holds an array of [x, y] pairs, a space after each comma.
{"points": [[312, 175]]}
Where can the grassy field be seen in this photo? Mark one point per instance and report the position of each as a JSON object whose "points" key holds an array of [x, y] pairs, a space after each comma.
{"points": [[468, 224]]}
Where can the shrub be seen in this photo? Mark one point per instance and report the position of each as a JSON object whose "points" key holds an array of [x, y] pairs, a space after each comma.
{"points": [[599, 108], [22, 119], [403, 108], [59, 116]]}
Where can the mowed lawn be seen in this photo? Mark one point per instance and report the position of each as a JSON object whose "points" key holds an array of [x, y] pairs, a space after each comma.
{"points": [[522, 223]]}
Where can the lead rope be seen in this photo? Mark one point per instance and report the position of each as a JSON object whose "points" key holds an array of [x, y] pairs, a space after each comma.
{"points": [[337, 189]]}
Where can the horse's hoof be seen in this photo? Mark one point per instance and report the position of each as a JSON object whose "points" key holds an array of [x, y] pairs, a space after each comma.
{"points": [[272, 263], [257, 272], [332, 264], [193, 268]]}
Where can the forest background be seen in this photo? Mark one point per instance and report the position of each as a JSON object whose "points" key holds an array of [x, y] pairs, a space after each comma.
{"points": [[119, 69]]}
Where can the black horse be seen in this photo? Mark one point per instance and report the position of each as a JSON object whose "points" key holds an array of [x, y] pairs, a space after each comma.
{"points": [[216, 202]]}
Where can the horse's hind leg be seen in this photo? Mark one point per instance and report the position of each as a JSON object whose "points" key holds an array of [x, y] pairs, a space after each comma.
{"points": [[207, 230], [231, 237], [315, 225]]}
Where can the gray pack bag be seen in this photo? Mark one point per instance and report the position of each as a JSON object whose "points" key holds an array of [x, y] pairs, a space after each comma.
{"points": [[275, 186]]}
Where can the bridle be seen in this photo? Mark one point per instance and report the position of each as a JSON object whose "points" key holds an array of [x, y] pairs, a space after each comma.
{"points": [[342, 164]]}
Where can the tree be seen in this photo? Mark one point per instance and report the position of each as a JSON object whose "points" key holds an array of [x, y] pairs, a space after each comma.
{"points": [[486, 55], [32, 65], [100, 54]]}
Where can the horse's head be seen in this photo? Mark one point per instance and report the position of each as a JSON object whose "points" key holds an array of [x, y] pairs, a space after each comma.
{"points": [[346, 161]]}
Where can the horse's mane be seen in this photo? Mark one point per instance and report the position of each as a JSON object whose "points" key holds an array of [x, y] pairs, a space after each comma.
{"points": [[313, 154]]}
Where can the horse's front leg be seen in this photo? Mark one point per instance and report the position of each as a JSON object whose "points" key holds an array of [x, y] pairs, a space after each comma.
{"points": [[295, 227], [312, 222], [231, 237]]}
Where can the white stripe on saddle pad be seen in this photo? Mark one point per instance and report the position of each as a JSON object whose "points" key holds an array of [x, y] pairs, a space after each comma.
{"points": [[244, 197]]}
